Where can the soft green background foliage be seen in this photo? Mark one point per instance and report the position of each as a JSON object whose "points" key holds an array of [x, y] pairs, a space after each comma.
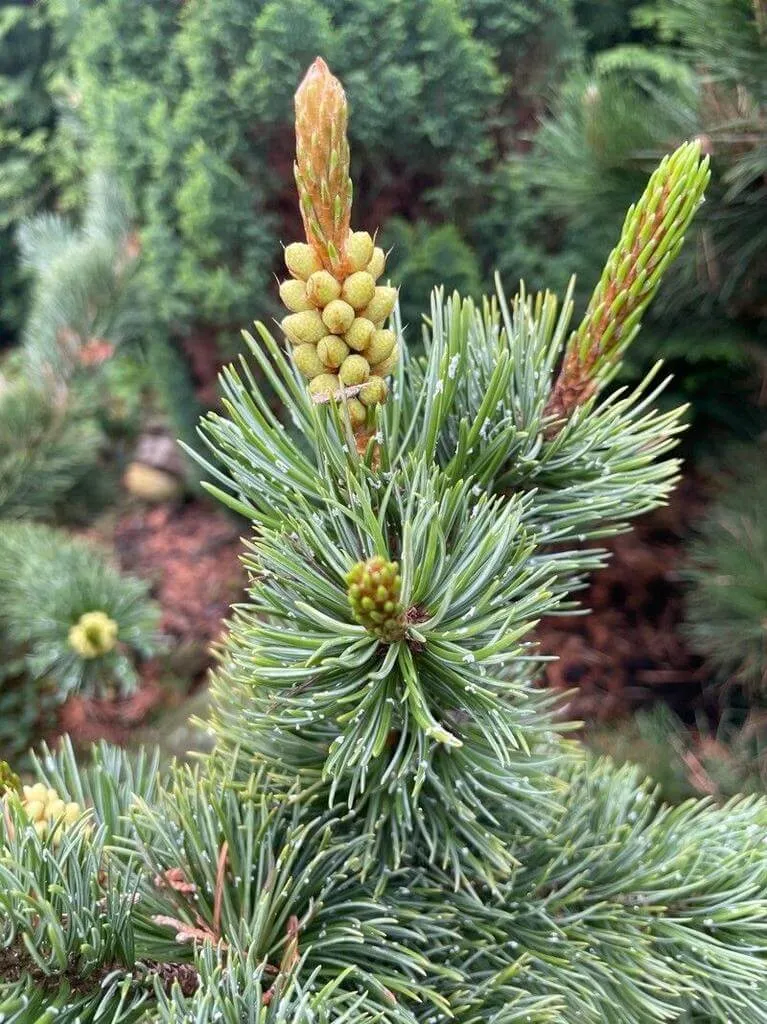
{"points": [[193, 107]]}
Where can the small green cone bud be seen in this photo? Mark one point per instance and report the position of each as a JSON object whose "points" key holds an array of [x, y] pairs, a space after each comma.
{"points": [[374, 391], [357, 412], [381, 346], [293, 295], [9, 780], [93, 635], [308, 362], [377, 263], [354, 370], [332, 351], [301, 260], [338, 316], [358, 289], [322, 288], [304, 328], [359, 334], [359, 250], [387, 365], [325, 386], [381, 305], [374, 596]]}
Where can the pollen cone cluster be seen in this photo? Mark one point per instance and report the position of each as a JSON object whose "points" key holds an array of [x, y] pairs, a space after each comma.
{"points": [[49, 814], [338, 311], [374, 597]]}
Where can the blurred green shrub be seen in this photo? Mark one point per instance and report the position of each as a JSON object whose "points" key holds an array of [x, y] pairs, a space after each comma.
{"points": [[687, 762], [69, 622], [49, 444], [193, 106], [727, 571], [27, 123]]}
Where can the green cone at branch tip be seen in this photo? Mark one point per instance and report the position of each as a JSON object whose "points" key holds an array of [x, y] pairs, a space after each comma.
{"points": [[374, 596]]}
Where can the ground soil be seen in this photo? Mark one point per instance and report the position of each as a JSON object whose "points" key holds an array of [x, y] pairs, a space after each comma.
{"points": [[630, 650]]}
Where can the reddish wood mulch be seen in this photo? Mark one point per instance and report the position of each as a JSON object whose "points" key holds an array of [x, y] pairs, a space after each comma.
{"points": [[630, 651]]}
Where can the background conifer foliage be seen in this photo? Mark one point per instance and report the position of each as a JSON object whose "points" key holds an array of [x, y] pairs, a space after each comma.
{"points": [[393, 825]]}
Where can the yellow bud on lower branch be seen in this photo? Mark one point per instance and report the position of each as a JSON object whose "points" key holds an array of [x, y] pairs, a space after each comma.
{"points": [[93, 635], [48, 813]]}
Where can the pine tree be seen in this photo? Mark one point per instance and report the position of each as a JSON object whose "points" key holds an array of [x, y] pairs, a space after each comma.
{"points": [[393, 825]]}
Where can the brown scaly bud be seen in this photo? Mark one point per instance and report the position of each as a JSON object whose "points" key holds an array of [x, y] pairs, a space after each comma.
{"points": [[374, 597], [322, 165], [651, 238]]}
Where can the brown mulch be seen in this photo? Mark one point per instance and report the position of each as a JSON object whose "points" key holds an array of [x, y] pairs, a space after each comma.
{"points": [[190, 554], [629, 651]]}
